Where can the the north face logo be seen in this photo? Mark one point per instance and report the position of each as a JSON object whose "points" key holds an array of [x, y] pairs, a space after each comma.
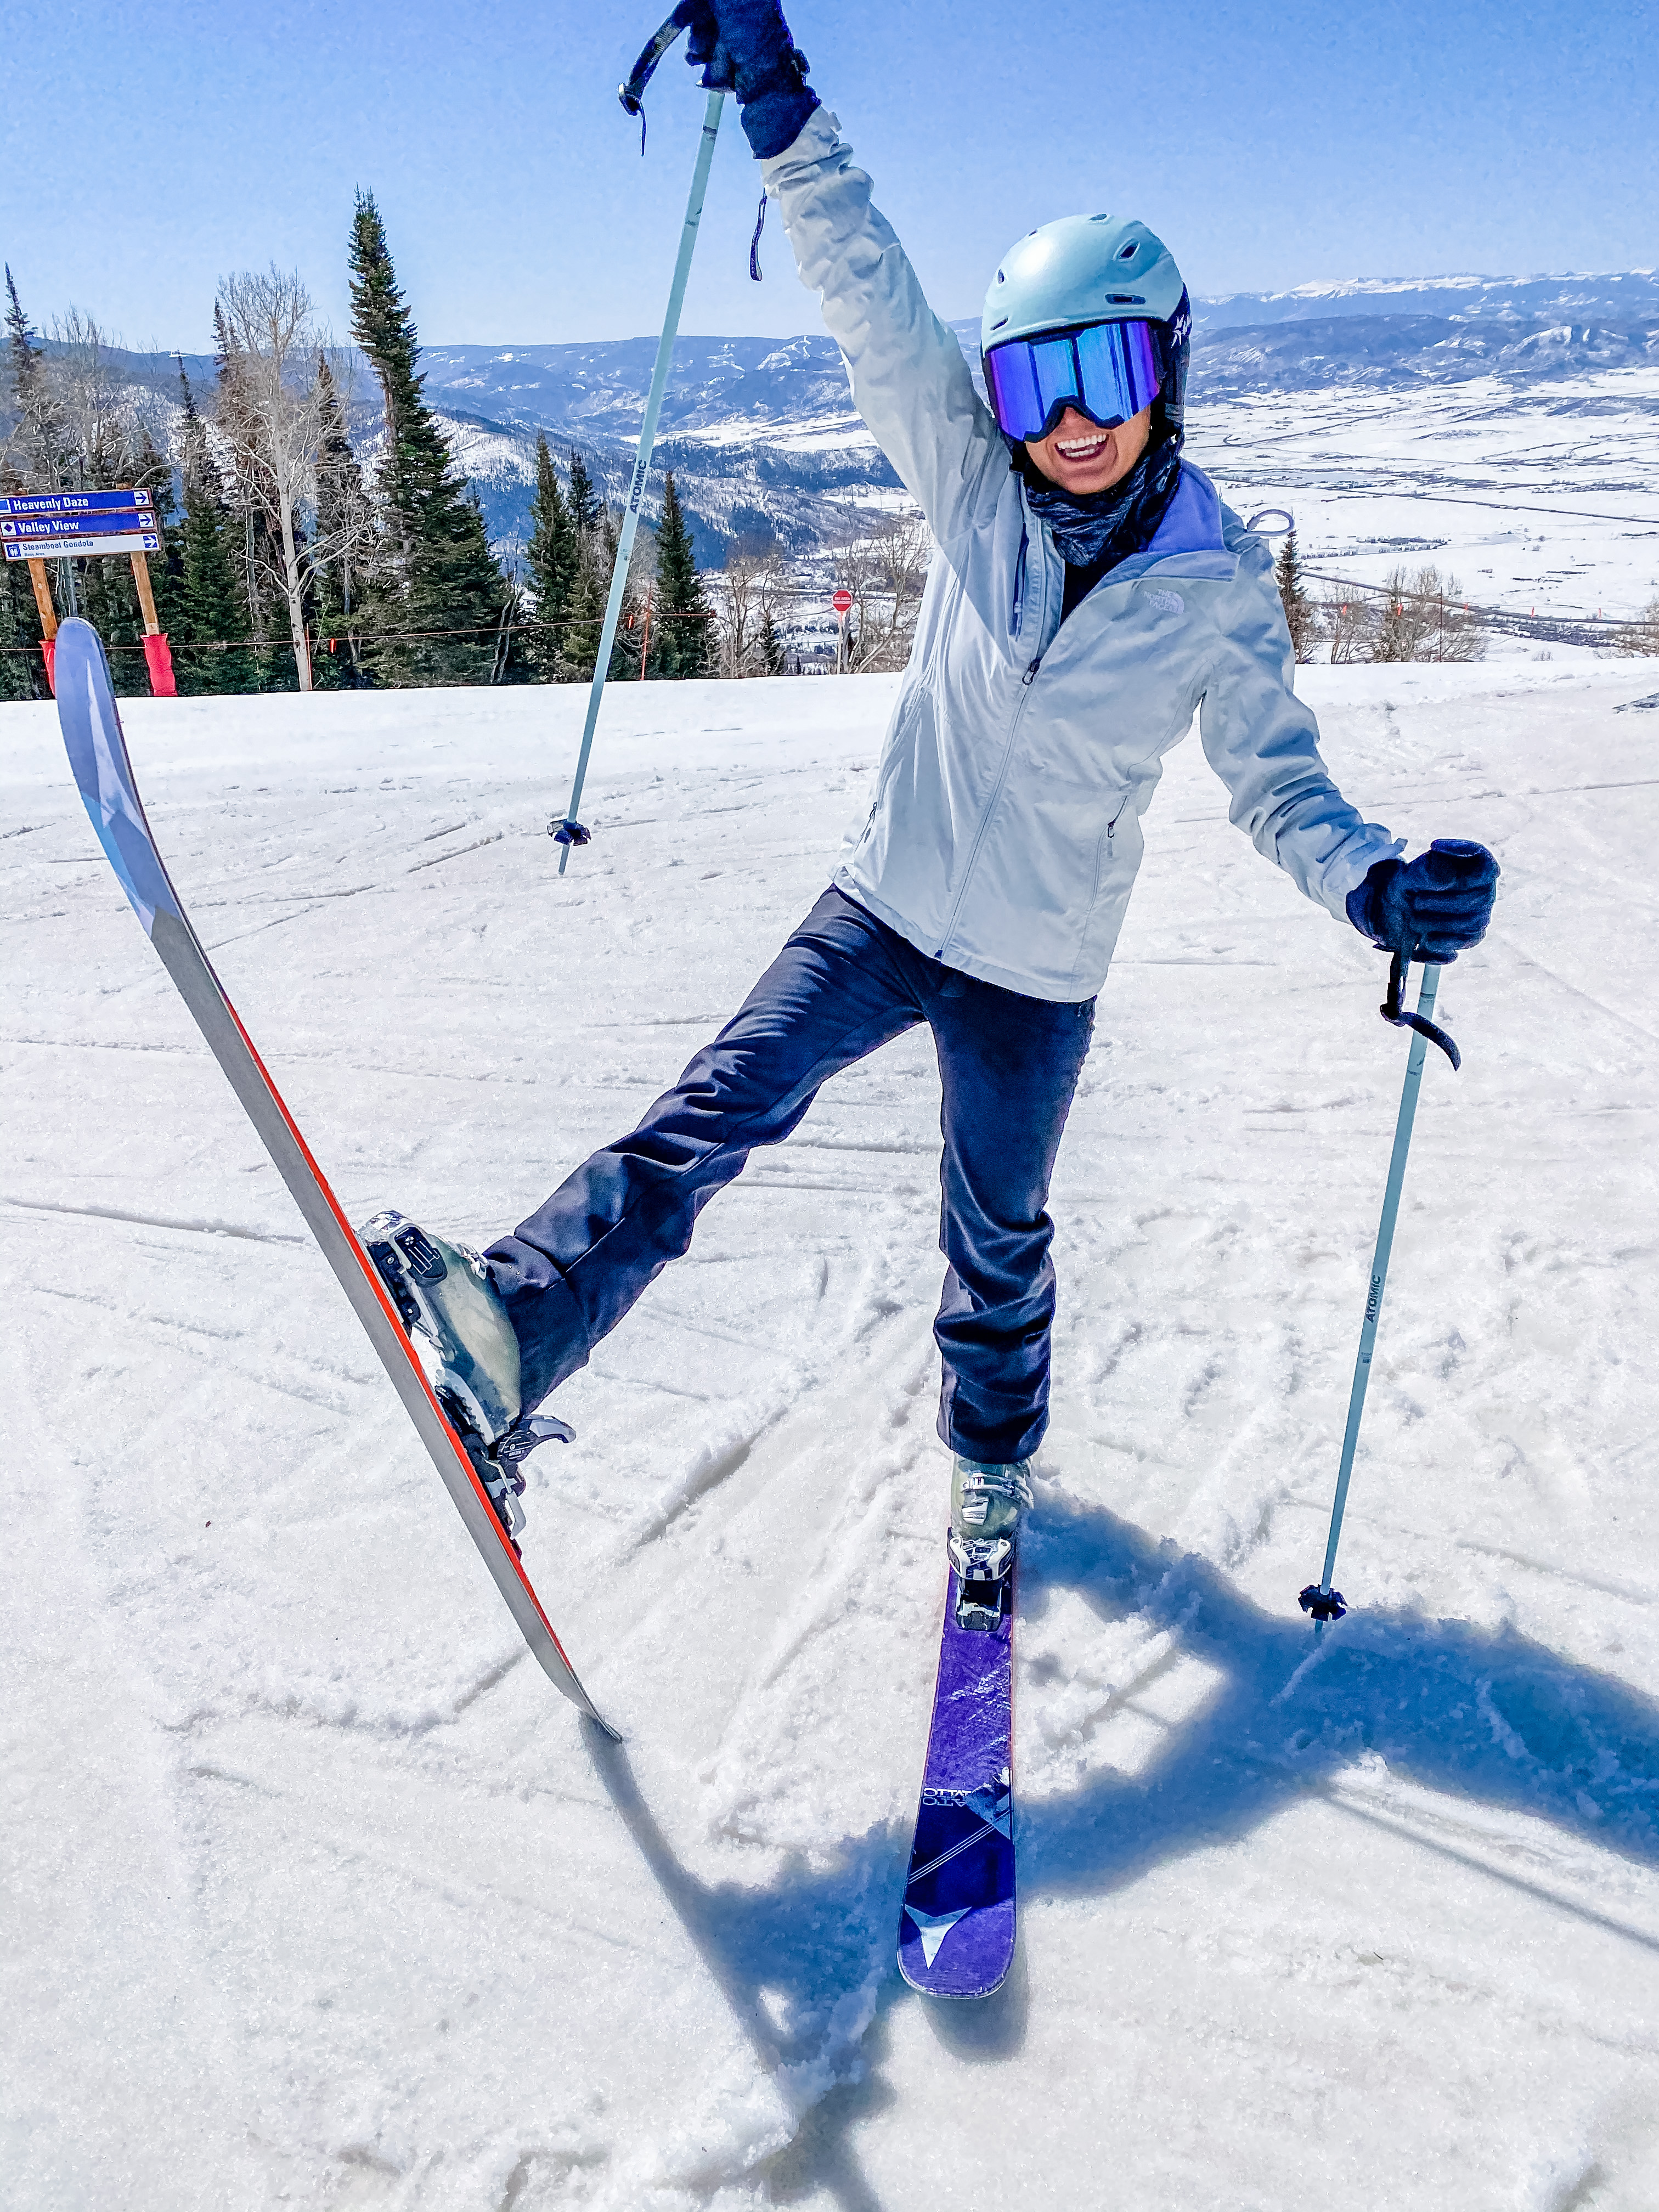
{"points": [[1167, 603]]}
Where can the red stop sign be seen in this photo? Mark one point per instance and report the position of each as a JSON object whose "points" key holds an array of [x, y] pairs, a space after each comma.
{"points": [[842, 602]]}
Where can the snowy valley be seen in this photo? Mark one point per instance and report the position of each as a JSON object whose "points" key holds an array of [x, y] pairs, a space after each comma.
{"points": [[1505, 430]]}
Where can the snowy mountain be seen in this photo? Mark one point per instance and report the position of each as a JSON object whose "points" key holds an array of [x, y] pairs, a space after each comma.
{"points": [[763, 434], [726, 391], [1628, 296], [1541, 390]]}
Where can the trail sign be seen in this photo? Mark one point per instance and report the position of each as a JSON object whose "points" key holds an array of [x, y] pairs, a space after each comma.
{"points": [[37, 527], [44, 525], [842, 603]]}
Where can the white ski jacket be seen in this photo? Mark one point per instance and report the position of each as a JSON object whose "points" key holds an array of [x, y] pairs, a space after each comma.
{"points": [[1004, 833]]}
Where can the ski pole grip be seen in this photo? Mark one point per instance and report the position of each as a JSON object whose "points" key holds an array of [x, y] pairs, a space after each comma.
{"points": [[632, 93]]}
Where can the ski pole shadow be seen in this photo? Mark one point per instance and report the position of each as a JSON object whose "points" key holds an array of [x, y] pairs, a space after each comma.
{"points": [[1485, 1715]]}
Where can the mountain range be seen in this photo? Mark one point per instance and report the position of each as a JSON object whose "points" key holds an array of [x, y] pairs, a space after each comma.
{"points": [[765, 441]]}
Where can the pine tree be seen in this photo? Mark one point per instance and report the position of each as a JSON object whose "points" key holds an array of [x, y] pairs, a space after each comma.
{"points": [[768, 645], [445, 577], [681, 608], [213, 612], [554, 557], [586, 620], [23, 669], [584, 500], [625, 646], [1299, 615]]}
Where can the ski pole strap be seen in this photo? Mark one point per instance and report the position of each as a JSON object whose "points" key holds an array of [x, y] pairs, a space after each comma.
{"points": [[632, 93], [754, 243], [1392, 1010]]}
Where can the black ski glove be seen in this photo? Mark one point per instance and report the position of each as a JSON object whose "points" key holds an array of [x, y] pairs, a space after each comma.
{"points": [[1433, 908], [745, 46]]}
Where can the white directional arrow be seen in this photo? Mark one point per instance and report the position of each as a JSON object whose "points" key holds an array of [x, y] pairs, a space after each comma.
{"points": [[934, 1927]]}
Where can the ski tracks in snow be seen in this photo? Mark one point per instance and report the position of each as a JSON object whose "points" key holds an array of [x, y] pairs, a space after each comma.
{"points": [[336, 1905]]}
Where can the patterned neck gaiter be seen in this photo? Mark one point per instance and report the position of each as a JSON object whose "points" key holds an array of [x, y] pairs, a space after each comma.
{"points": [[1102, 528]]}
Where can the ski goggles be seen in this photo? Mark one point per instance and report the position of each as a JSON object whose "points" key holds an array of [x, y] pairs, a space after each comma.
{"points": [[1107, 371]]}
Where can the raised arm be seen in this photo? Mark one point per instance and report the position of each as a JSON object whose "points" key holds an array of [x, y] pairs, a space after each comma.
{"points": [[909, 380]]}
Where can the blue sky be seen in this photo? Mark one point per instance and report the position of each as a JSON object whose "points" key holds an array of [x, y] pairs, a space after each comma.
{"points": [[148, 149]]}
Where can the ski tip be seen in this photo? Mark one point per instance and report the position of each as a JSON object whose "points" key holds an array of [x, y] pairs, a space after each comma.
{"points": [[943, 1993], [960, 1955]]}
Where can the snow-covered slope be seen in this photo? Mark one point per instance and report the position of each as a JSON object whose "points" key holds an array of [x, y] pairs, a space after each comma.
{"points": [[318, 1896]]}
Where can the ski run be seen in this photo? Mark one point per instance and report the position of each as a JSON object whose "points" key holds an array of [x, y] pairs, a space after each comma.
{"points": [[318, 1895]]}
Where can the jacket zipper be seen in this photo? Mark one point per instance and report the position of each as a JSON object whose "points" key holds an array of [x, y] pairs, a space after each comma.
{"points": [[1026, 682]]}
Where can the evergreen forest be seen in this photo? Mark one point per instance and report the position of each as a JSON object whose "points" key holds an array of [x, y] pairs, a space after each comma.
{"points": [[291, 561]]}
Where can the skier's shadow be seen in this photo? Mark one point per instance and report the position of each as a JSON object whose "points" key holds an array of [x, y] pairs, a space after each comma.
{"points": [[807, 1943], [1482, 1714], [1479, 1714]]}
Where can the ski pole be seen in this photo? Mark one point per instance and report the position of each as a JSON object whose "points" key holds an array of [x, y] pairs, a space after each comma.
{"points": [[566, 830], [1319, 1599]]}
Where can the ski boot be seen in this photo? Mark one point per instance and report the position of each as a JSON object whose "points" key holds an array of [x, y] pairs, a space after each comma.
{"points": [[986, 1502], [443, 1293]]}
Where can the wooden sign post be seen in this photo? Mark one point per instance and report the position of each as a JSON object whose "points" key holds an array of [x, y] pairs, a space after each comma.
{"points": [[157, 654], [48, 614]]}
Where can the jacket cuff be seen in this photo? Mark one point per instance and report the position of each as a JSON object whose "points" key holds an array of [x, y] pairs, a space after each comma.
{"points": [[1365, 903], [817, 137]]}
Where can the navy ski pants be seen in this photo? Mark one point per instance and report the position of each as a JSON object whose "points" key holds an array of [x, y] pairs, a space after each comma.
{"points": [[843, 984]]}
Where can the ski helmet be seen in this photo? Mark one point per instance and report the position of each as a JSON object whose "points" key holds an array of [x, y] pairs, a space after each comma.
{"points": [[1088, 270]]}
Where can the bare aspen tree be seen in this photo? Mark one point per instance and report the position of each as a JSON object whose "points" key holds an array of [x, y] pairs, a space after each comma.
{"points": [[885, 570], [751, 584], [1349, 624], [275, 416], [1641, 636], [94, 397], [1422, 618]]}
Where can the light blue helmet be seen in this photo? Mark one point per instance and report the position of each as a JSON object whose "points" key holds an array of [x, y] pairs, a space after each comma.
{"points": [[1083, 269]]}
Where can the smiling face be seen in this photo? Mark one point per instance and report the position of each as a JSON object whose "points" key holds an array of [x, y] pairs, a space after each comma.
{"points": [[1080, 457]]}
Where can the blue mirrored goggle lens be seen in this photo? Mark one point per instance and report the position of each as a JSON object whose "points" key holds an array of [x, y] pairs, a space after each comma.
{"points": [[1108, 371]]}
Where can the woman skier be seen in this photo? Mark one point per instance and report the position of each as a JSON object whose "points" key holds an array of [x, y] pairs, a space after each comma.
{"points": [[1089, 592]]}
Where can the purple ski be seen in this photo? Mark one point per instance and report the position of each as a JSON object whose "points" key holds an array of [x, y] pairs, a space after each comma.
{"points": [[956, 1931]]}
